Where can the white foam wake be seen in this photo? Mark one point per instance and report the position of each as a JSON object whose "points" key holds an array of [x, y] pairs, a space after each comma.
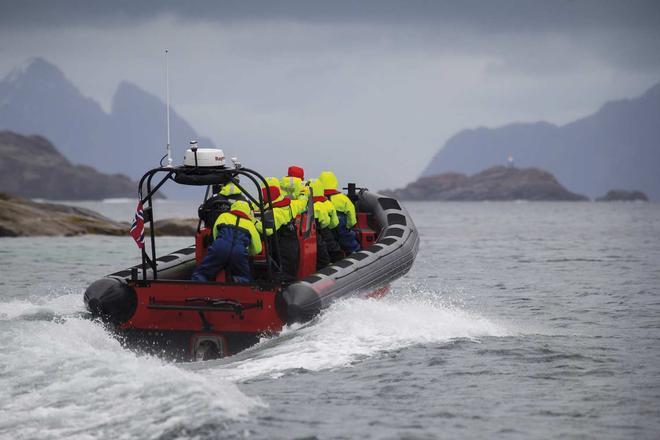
{"points": [[49, 304], [354, 328], [71, 378]]}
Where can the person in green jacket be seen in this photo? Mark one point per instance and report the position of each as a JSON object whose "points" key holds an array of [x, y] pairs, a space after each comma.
{"points": [[323, 229], [345, 212], [284, 215], [293, 184], [234, 238], [231, 192]]}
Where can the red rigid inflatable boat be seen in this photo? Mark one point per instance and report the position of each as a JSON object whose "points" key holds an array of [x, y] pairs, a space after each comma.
{"points": [[156, 307]]}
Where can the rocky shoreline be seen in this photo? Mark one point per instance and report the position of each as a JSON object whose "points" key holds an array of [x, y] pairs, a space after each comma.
{"points": [[25, 218]]}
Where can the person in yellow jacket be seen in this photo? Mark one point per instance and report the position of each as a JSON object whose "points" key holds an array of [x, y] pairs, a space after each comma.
{"points": [[345, 212], [284, 216], [231, 192], [234, 237], [293, 192], [327, 248], [293, 184]]}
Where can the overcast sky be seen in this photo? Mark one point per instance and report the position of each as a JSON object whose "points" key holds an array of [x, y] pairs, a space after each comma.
{"points": [[370, 89]]}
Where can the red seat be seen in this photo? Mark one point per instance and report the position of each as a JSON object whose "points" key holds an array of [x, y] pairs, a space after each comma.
{"points": [[202, 241], [365, 235], [306, 247]]}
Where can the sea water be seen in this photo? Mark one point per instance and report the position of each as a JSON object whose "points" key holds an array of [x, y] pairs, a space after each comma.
{"points": [[518, 320]]}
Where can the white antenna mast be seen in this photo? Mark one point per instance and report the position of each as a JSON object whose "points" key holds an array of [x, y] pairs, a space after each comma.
{"points": [[167, 82]]}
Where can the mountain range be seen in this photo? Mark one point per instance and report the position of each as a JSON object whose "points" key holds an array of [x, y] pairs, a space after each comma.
{"points": [[37, 98], [618, 147]]}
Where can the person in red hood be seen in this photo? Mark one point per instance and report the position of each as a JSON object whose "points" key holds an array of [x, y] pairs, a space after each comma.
{"points": [[284, 214], [293, 184]]}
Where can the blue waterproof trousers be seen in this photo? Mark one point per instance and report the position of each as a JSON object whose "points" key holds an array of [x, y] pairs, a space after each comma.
{"points": [[345, 236], [228, 250]]}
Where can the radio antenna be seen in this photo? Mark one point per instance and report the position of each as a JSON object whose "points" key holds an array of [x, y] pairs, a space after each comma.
{"points": [[167, 97]]}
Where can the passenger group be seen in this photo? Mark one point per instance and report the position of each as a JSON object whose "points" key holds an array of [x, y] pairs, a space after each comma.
{"points": [[237, 234]]}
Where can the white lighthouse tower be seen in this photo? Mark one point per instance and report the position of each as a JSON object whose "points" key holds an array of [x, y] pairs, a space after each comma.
{"points": [[509, 161]]}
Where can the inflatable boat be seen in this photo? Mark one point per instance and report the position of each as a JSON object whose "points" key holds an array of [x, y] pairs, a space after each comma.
{"points": [[155, 306]]}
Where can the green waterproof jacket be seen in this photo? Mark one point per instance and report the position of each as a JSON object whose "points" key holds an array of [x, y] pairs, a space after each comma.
{"points": [[230, 189], [321, 208], [341, 202], [284, 211], [240, 217]]}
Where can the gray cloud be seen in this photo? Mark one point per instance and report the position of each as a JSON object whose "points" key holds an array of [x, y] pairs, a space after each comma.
{"points": [[368, 88], [624, 32], [489, 16]]}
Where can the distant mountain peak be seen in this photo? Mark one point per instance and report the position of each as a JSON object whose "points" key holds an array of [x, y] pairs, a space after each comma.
{"points": [[36, 68], [617, 146], [37, 97], [128, 92], [127, 86], [653, 92]]}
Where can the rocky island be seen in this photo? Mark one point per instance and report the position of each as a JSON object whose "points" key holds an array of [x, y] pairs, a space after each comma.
{"points": [[620, 195], [497, 184], [30, 166]]}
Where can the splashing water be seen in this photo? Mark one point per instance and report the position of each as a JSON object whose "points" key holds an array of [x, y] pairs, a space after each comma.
{"points": [[354, 329], [70, 377], [41, 306]]}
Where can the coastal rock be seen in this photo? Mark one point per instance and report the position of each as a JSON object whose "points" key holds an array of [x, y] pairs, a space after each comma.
{"points": [[176, 227], [616, 195], [25, 218], [30, 166], [19, 217], [496, 183]]}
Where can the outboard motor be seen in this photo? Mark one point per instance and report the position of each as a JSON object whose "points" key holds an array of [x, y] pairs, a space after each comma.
{"points": [[111, 299]]}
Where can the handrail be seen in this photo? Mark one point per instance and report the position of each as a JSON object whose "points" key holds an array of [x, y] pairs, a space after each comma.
{"points": [[224, 175]]}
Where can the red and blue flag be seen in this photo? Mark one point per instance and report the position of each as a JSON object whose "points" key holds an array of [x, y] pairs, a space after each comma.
{"points": [[137, 227]]}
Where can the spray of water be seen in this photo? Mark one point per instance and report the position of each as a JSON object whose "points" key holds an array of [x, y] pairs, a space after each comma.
{"points": [[63, 375], [354, 329], [68, 377]]}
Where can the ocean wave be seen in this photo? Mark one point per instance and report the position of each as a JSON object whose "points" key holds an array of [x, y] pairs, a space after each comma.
{"points": [[353, 329], [74, 379], [58, 305]]}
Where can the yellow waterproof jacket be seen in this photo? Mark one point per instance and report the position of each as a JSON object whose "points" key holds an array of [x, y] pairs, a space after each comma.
{"points": [[299, 206], [230, 189], [332, 214], [240, 217], [284, 211], [321, 209], [341, 202], [294, 188]]}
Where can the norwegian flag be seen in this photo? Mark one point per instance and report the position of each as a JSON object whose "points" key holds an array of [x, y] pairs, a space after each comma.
{"points": [[137, 228]]}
